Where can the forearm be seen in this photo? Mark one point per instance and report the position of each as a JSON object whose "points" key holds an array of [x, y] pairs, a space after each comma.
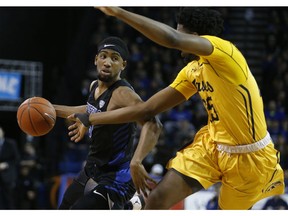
{"points": [[118, 116], [64, 111], [159, 102], [149, 136], [156, 31]]}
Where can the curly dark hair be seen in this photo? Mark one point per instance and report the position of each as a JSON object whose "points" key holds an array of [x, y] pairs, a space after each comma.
{"points": [[204, 21]]}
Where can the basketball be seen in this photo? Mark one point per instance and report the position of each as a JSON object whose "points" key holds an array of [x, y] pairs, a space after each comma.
{"points": [[36, 116]]}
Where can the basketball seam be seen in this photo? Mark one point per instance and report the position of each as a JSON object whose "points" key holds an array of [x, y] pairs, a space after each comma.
{"points": [[41, 115], [31, 119], [41, 104], [20, 116]]}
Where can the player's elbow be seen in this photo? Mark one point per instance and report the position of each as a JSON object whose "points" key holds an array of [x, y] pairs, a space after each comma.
{"points": [[148, 113], [157, 124], [172, 40]]}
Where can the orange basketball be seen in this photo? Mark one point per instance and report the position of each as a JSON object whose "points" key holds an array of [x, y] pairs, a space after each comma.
{"points": [[36, 116]]}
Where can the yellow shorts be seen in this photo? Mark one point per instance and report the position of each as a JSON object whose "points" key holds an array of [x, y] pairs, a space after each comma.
{"points": [[246, 177]]}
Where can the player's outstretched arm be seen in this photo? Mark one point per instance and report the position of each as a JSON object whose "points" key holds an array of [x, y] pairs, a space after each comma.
{"points": [[144, 111], [64, 111], [161, 33]]}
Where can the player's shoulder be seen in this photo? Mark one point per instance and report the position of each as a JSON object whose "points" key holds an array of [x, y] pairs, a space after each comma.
{"points": [[124, 90], [215, 39], [125, 96]]}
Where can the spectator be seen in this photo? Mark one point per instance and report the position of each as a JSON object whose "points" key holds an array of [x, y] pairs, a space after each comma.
{"points": [[29, 180], [157, 172], [9, 158], [275, 203]]}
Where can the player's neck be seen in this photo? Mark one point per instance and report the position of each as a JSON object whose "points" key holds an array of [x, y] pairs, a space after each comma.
{"points": [[103, 86]]}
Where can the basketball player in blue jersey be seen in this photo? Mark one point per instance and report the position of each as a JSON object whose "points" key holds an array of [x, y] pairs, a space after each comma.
{"points": [[234, 148], [105, 182]]}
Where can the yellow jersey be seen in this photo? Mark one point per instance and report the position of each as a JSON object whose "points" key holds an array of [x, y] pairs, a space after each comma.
{"points": [[229, 93]]}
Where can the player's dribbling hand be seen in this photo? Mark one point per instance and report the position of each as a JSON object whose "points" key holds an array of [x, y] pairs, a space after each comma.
{"points": [[77, 130]]}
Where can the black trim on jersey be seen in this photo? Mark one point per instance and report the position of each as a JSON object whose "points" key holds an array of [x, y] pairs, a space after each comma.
{"points": [[243, 71], [273, 174], [211, 67], [251, 110], [247, 114], [181, 82], [232, 49]]}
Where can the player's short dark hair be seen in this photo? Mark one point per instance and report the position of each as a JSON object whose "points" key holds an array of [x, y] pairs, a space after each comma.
{"points": [[201, 20], [116, 44]]}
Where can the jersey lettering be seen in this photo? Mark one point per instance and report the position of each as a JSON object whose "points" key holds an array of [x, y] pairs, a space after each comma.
{"points": [[203, 86], [91, 109], [210, 109]]}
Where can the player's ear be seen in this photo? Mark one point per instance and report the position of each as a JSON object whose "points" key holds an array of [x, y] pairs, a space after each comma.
{"points": [[95, 60], [124, 65]]}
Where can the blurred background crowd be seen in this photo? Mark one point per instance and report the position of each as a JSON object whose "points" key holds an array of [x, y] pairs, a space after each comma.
{"points": [[64, 40]]}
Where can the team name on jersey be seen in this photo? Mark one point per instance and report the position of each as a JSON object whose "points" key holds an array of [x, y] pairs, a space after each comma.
{"points": [[203, 86], [91, 109]]}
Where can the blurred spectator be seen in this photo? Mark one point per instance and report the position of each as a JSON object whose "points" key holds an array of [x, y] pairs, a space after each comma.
{"points": [[249, 15], [9, 159], [275, 203], [274, 112], [185, 132], [27, 188], [30, 177], [157, 172]]}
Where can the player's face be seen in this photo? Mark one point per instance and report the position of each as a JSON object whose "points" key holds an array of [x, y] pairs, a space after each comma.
{"points": [[109, 65], [187, 57]]}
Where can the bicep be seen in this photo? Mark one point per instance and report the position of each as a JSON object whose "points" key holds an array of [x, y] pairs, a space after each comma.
{"points": [[124, 97]]}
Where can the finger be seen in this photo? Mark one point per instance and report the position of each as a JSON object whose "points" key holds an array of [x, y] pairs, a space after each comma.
{"points": [[73, 131], [78, 139], [71, 117], [72, 127], [72, 138]]}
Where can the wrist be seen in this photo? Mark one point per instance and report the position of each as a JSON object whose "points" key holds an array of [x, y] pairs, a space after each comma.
{"points": [[135, 162], [84, 118]]}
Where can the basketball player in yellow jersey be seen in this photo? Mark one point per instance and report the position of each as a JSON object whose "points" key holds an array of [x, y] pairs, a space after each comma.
{"points": [[234, 148]]}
